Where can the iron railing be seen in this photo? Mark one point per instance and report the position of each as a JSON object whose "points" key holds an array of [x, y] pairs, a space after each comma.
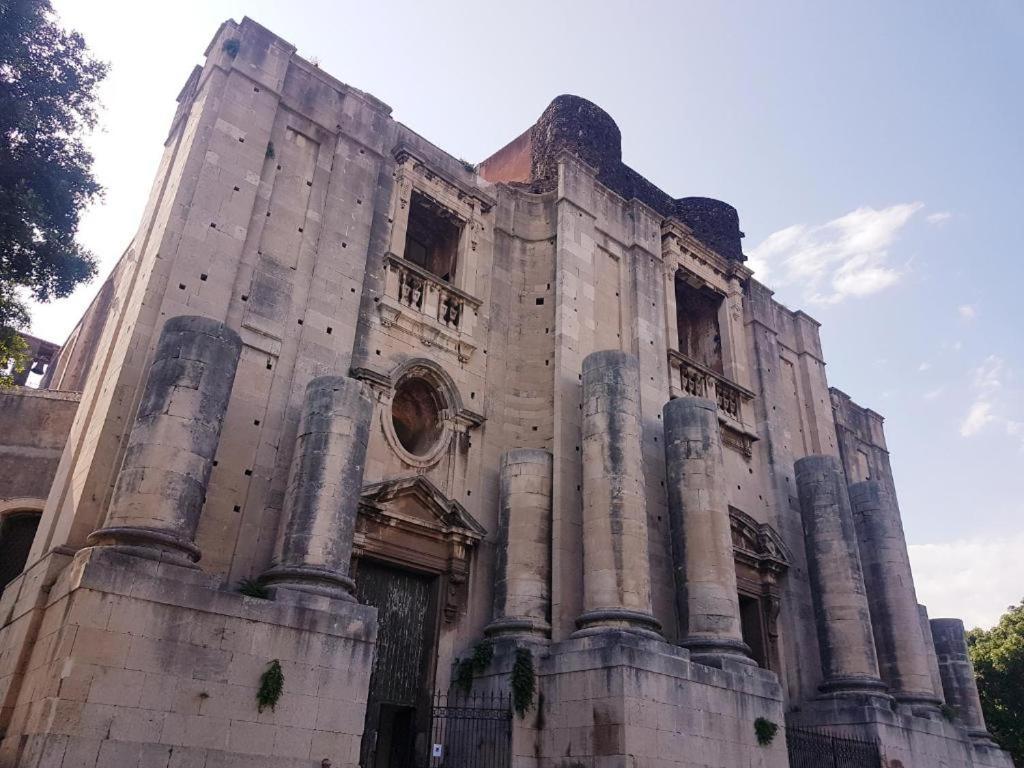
{"points": [[812, 748], [471, 731]]}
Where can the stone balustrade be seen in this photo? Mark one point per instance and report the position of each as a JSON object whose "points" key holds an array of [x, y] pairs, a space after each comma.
{"points": [[417, 289], [691, 379]]}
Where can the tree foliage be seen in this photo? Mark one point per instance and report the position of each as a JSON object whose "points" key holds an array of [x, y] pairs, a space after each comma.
{"points": [[998, 657], [48, 82]]}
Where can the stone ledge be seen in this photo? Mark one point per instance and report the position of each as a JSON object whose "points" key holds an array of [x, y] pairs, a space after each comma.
{"points": [[106, 570], [624, 649]]}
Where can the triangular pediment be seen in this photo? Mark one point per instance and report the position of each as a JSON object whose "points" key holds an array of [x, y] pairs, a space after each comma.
{"points": [[417, 501]]}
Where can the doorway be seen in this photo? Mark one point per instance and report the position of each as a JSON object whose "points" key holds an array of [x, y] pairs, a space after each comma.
{"points": [[398, 704]]}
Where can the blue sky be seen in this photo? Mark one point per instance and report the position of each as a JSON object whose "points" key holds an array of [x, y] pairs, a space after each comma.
{"points": [[874, 151]]}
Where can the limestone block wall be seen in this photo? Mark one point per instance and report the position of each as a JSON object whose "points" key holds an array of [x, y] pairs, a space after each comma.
{"points": [[145, 669], [34, 425], [622, 700]]}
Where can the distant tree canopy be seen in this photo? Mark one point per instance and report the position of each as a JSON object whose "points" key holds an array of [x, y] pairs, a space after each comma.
{"points": [[48, 82], [998, 656]]}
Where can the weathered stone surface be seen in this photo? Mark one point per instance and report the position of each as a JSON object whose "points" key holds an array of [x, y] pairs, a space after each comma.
{"points": [[848, 659], [522, 588], [959, 685], [616, 571], [161, 488], [702, 535], [902, 657], [326, 479]]}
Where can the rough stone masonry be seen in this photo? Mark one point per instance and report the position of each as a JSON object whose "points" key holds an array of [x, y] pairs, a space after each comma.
{"points": [[365, 455]]}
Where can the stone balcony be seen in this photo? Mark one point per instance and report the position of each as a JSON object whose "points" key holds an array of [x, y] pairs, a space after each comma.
{"points": [[423, 305], [735, 403]]}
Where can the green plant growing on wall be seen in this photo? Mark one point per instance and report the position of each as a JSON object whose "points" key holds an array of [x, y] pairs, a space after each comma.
{"points": [[524, 683], [271, 154], [765, 730], [230, 47], [253, 588], [467, 166], [271, 686], [476, 663]]}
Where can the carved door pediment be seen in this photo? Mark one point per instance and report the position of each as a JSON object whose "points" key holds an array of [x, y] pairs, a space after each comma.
{"points": [[409, 522]]}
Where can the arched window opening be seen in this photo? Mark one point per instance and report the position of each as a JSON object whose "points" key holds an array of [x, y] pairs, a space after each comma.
{"points": [[17, 530]]}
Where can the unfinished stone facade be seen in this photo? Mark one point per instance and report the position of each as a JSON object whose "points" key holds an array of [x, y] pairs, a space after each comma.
{"points": [[407, 427]]}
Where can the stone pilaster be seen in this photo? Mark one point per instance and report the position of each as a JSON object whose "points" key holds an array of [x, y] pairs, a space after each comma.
{"points": [[616, 565], [848, 659], [701, 531], [315, 545], [902, 656], [929, 649], [160, 490], [959, 685], [522, 589]]}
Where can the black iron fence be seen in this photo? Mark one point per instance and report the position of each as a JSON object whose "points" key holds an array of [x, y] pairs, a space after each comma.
{"points": [[471, 731], [812, 748]]}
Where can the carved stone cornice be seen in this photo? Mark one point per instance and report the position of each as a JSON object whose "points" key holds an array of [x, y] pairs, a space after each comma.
{"points": [[405, 155]]}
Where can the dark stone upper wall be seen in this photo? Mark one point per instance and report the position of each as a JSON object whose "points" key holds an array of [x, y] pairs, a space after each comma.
{"points": [[581, 127]]}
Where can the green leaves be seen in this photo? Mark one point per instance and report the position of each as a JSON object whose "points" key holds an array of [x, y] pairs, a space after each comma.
{"points": [[998, 657], [271, 686], [524, 682], [48, 101]]}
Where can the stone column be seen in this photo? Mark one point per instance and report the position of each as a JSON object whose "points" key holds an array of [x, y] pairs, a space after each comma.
{"points": [[314, 549], [848, 659], [929, 649], [160, 490], [902, 656], [701, 531], [522, 588], [616, 566], [958, 682]]}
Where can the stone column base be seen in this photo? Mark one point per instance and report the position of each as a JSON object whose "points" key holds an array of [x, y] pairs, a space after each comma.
{"points": [[149, 664]]}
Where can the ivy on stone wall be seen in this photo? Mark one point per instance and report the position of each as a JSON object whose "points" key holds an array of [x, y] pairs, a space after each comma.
{"points": [[524, 683], [475, 664], [271, 686], [765, 731]]}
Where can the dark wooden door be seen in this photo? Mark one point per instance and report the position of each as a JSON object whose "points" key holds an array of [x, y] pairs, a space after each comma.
{"points": [[398, 705]]}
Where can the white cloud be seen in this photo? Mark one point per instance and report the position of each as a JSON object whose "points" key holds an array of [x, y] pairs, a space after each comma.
{"points": [[978, 415], [995, 400], [848, 256], [974, 579], [924, 366], [939, 217], [967, 311], [931, 394]]}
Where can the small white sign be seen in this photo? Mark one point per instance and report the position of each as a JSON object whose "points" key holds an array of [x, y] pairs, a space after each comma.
{"points": [[437, 751]]}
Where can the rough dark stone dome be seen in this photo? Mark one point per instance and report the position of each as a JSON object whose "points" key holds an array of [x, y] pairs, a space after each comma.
{"points": [[579, 126]]}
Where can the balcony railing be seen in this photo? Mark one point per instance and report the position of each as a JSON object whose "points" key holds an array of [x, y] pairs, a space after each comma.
{"points": [[699, 381], [416, 288]]}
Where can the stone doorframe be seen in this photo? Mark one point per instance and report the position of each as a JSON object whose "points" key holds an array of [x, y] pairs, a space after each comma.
{"points": [[762, 558], [409, 523]]}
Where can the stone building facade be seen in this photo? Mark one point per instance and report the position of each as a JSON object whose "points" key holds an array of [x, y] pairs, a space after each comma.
{"points": [[447, 426]]}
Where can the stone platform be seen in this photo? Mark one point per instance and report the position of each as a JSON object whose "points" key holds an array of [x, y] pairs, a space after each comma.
{"points": [[143, 663]]}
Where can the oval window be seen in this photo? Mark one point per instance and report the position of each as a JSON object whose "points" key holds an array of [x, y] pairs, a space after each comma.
{"points": [[416, 415]]}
